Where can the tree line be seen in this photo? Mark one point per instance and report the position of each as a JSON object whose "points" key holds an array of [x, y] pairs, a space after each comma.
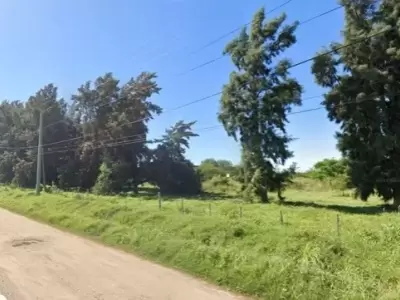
{"points": [[97, 142], [330, 170], [361, 76]]}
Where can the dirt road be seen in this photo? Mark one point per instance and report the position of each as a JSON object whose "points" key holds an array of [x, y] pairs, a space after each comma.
{"points": [[40, 262]]}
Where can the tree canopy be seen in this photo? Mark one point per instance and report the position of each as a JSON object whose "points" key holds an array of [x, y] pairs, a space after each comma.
{"points": [[98, 141], [363, 82], [211, 167], [329, 168], [99, 138], [256, 100]]}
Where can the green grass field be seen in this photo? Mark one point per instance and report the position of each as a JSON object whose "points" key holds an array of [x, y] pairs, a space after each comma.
{"points": [[244, 247]]}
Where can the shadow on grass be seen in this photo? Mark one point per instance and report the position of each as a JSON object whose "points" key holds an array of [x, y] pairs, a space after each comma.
{"points": [[361, 210], [152, 193]]}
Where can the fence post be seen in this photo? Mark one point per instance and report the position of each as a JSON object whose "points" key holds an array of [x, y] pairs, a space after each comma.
{"points": [[159, 200], [281, 217], [338, 224]]}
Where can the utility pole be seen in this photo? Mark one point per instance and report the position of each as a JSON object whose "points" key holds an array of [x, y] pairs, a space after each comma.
{"points": [[43, 171], [39, 154]]}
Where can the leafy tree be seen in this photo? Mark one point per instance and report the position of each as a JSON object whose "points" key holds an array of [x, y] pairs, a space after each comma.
{"points": [[24, 174], [112, 113], [329, 168], [98, 143], [104, 182], [364, 95], [210, 168], [7, 162], [256, 100], [18, 129], [169, 169]]}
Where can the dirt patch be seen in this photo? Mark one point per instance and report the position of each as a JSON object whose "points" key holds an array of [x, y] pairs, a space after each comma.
{"points": [[26, 242]]}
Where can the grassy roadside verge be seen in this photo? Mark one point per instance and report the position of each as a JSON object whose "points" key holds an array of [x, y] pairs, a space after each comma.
{"points": [[253, 254]]}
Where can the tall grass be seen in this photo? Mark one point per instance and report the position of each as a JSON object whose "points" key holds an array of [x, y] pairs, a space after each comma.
{"points": [[304, 258]]}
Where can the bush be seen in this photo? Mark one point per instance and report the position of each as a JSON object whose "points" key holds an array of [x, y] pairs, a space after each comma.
{"points": [[23, 174], [302, 183], [103, 185], [222, 184]]}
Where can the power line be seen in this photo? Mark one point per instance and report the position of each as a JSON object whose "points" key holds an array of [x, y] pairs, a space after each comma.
{"points": [[167, 53], [222, 56], [321, 15], [341, 47], [179, 107], [218, 58], [218, 39], [130, 142], [290, 113], [202, 129], [139, 120], [121, 143], [235, 30], [113, 142], [126, 142], [219, 93]]}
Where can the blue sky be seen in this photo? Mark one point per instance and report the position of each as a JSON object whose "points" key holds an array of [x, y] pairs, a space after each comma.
{"points": [[67, 42]]}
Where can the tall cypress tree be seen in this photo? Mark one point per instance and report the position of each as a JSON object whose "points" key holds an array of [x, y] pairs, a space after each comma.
{"points": [[257, 98]]}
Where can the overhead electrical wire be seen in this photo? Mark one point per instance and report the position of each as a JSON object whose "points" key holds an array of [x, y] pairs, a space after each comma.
{"points": [[222, 56], [335, 49], [219, 93], [118, 143], [122, 143], [212, 42], [223, 36], [130, 142], [127, 142], [236, 30], [167, 53], [360, 40], [139, 120]]}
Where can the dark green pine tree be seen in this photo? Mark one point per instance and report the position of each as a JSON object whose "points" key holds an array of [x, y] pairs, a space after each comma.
{"points": [[364, 95], [257, 99]]}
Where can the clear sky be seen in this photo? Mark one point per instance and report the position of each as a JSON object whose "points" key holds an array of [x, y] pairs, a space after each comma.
{"points": [[67, 42]]}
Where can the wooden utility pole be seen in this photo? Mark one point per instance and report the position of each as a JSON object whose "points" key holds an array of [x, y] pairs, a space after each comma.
{"points": [[39, 155]]}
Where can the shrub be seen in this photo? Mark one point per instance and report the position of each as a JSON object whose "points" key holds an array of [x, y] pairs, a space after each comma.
{"points": [[103, 185], [222, 184]]}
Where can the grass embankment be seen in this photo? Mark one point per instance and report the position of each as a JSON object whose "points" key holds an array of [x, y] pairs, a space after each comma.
{"points": [[255, 254]]}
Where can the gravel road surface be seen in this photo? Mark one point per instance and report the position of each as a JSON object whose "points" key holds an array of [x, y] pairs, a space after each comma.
{"points": [[40, 262]]}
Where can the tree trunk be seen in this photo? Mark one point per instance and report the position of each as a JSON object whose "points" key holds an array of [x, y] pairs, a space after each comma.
{"points": [[280, 197], [135, 189], [396, 198], [263, 194]]}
